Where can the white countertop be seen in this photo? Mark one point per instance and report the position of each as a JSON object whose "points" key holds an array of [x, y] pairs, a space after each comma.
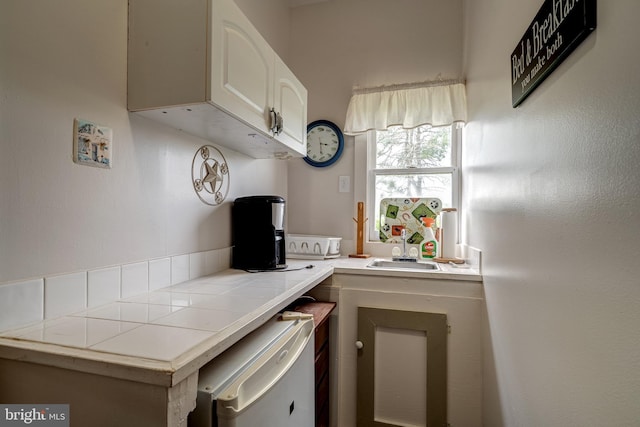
{"points": [[161, 337], [444, 272]]}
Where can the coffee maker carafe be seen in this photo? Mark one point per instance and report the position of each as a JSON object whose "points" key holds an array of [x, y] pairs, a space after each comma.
{"points": [[258, 233]]}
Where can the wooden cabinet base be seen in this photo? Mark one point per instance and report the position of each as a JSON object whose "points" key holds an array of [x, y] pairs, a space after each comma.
{"points": [[321, 312]]}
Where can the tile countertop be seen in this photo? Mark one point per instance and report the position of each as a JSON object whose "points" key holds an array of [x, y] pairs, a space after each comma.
{"points": [[445, 271], [162, 337]]}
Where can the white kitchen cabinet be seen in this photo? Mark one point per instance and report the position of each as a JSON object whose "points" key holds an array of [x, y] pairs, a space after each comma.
{"points": [[242, 66], [201, 66], [462, 303], [290, 99]]}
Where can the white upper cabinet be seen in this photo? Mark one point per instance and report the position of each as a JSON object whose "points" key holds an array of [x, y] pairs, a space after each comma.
{"points": [[290, 100], [242, 66], [200, 66]]}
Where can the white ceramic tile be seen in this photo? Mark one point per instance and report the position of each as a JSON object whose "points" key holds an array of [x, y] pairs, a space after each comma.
{"points": [[21, 303], [282, 284], [135, 279], [211, 262], [473, 257], [130, 312], [163, 297], [30, 328], [78, 331], [224, 259], [179, 269], [256, 291], [64, 294], [229, 280], [197, 266], [235, 277], [202, 287], [154, 342], [236, 303], [198, 318], [103, 286], [182, 287], [159, 273]]}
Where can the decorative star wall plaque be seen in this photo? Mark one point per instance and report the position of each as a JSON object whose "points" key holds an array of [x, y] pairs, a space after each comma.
{"points": [[210, 175]]}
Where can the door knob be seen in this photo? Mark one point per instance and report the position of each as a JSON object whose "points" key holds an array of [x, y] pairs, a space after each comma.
{"points": [[359, 345]]}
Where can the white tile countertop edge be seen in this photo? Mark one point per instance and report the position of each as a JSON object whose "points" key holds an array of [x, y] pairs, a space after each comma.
{"points": [[208, 344]]}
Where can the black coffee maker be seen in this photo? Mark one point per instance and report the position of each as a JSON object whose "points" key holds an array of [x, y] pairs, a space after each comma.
{"points": [[258, 233]]}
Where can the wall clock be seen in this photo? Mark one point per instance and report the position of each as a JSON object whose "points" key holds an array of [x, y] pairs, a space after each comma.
{"points": [[325, 143]]}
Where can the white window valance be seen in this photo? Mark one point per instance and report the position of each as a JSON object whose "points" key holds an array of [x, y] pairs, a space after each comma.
{"points": [[410, 105]]}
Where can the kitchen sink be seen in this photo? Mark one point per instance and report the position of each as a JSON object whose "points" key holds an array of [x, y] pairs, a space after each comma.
{"points": [[403, 265]]}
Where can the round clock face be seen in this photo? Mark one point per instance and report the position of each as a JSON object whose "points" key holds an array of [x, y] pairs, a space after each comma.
{"points": [[324, 143]]}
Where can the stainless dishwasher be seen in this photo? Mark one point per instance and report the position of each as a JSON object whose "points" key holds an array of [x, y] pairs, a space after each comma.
{"points": [[266, 379]]}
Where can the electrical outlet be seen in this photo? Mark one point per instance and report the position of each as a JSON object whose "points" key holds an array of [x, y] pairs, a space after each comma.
{"points": [[344, 184]]}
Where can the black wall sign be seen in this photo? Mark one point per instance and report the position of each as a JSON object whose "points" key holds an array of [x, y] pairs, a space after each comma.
{"points": [[558, 28]]}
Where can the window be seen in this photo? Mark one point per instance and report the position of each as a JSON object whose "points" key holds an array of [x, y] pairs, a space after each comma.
{"points": [[418, 162]]}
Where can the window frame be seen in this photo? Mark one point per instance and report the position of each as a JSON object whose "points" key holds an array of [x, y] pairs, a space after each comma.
{"points": [[372, 172]]}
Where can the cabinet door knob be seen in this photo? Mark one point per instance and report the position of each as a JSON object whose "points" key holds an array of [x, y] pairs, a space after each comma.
{"points": [[359, 345]]}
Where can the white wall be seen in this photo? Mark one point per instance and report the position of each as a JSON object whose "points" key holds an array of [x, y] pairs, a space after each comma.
{"points": [[272, 19], [66, 59], [338, 45], [551, 197]]}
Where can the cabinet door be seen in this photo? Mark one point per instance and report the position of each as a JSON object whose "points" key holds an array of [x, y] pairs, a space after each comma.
{"points": [[290, 100], [242, 64], [402, 368]]}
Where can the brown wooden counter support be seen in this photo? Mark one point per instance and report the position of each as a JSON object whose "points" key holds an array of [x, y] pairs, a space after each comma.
{"points": [[321, 312]]}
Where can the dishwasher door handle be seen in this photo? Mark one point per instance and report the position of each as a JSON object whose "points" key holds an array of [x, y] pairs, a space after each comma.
{"points": [[267, 369]]}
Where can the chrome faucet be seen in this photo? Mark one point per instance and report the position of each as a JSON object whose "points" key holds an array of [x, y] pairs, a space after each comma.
{"points": [[404, 257], [403, 236]]}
